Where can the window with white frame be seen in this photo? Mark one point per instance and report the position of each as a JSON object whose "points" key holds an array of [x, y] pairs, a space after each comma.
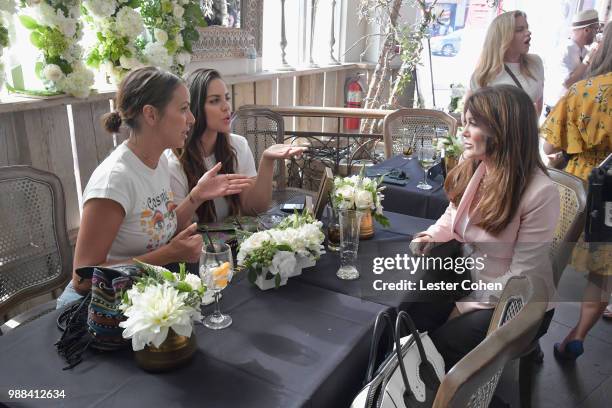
{"points": [[298, 20]]}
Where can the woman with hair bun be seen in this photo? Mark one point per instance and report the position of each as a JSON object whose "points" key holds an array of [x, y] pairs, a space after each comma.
{"points": [[129, 210]]}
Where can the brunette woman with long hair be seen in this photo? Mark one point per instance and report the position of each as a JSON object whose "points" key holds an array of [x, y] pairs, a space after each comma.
{"points": [[211, 149], [503, 204]]}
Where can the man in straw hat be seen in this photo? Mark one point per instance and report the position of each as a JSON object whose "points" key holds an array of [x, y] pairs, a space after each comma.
{"points": [[574, 58]]}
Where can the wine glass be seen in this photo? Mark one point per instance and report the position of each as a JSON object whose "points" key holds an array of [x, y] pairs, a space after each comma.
{"points": [[428, 157], [216, 270]]}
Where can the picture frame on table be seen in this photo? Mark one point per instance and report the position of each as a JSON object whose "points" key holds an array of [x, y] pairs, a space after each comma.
{"points": [[325, 188]]}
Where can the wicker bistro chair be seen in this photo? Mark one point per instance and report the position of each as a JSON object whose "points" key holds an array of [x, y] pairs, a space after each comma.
{"points": [[515, 322], [571, 219], [405, 127], [35, 253], [263, 128]]}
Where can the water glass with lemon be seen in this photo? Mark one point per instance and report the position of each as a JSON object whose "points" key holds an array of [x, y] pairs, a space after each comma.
{"points": [[216, 271]]}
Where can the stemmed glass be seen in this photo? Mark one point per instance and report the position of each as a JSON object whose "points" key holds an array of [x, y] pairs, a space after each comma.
{"points": [[428, 157], [216, 270]]}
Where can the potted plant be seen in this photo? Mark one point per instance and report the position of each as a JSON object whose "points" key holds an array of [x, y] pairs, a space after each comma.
{"points": [[362, 194], [452, 148], [274, 255], [159, 309]]}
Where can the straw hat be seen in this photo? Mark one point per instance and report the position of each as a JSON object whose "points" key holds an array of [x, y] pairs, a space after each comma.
{"points": [[585, 18]]}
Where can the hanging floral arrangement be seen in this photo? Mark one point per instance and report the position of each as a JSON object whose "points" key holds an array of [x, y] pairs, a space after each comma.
{"points": [[56, 31], [117, 26], [172, 26]]}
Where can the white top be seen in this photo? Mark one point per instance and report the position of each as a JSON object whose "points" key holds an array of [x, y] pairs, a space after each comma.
{"points": [[145, 195], [534, 87], [566, 61], [245, 165]]}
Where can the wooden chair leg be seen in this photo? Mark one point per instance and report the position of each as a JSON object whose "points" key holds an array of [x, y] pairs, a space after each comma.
{"points": [[525, 379]]}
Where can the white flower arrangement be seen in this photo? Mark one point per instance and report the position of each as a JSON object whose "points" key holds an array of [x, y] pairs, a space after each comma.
{"points": [[172, 25], [7, 7], [276, 249], [117, 26], [56, 32], [159, 301], [359, 193]]}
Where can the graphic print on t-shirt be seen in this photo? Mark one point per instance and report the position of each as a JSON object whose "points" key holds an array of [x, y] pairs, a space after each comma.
{"points": [[158, 219]]}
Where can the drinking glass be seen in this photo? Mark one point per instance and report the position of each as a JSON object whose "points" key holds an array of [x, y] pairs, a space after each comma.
{"points": [[216, 270], [428, 157], [350, 222], [333, 230]]}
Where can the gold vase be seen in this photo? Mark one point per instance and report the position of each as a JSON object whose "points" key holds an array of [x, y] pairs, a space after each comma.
{"points": [[450, 163], [174, 352], [366, 229]]}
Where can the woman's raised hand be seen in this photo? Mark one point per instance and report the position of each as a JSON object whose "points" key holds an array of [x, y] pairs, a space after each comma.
{"points": [[212, 185], [283, 151]]}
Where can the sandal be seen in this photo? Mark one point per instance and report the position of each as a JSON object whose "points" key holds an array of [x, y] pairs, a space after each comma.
{"points": [[573, 349]]}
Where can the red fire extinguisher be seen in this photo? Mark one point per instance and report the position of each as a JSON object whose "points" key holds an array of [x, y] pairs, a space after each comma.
{"points": [[353, 92]]}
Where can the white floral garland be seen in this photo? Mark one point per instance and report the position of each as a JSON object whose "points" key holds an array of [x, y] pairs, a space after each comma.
{"points": [[172, 27], [56, 31], [117, 25], [6, 6]]}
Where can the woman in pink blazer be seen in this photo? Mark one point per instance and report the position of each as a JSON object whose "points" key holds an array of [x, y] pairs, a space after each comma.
{"points": [[503, 203]]}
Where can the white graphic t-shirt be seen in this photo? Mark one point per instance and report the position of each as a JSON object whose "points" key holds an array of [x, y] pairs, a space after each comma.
{"points": [[145, 195]]}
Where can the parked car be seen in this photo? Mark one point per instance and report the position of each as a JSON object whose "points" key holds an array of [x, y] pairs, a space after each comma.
{"points": [[447, 45]]}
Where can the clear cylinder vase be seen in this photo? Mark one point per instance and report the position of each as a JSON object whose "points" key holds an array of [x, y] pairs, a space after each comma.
{"points": [[350, 222]]}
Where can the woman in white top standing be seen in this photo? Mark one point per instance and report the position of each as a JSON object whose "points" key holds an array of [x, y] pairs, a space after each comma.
{"points": [[505, 60], [129, 210], [211, 147]]}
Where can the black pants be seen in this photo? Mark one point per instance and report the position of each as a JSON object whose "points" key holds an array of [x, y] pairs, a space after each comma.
{"points": [[457, 337]]}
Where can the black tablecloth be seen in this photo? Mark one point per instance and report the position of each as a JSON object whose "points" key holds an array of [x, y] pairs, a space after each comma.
{"points": [[296, 346], [409, 199]]}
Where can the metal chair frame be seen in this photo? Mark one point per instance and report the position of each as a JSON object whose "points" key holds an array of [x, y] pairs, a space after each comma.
{"points": [[60, 244], [428, 121]]}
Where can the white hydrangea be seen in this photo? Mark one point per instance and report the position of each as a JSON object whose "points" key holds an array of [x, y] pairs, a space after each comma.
{"points": [[78, 82], [156, 54], [178, 11], [283, 262], [101, 8], [183, 58], [179, 40], [129, 62], [251, 243], [160, 35], [128, 22], [52, 72]]}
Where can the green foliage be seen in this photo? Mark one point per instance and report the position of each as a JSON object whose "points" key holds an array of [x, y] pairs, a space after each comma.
{"points": [[4, 39], [28, 22], [452, 146], [261, 258]]}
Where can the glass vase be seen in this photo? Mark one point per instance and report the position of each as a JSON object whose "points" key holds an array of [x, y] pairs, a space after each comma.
{"points": [[350, 222]]}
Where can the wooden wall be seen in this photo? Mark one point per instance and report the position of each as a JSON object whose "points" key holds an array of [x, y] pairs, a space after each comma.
{"points": [[65, 136]]}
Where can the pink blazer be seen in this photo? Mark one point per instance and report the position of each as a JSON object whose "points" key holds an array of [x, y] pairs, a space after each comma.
{"points": [[521, 248]]}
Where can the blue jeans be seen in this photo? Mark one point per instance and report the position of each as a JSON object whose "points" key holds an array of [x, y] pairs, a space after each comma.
{"points": [[69, 295]]}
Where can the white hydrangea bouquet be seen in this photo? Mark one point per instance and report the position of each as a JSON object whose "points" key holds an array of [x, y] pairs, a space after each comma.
{"points": [[360, 193], [117, 25], [279, 253], [158, 301], [56, 30]]}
